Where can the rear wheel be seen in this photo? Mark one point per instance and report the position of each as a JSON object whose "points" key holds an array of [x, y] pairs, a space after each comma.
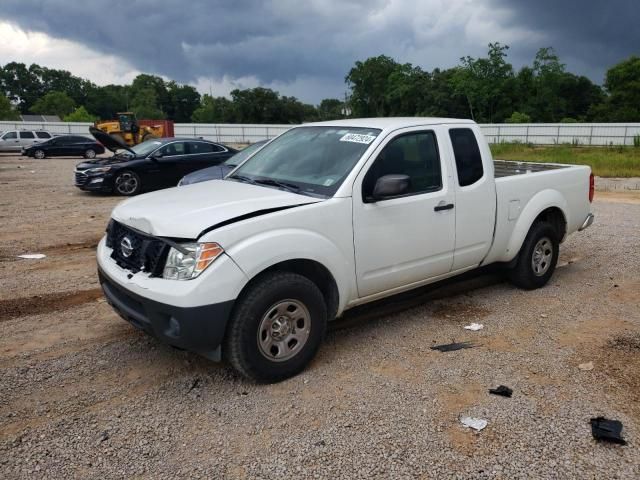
{"points": [[127, 183], [276, 328], [39, 154], [90, 153], [537, 258]]}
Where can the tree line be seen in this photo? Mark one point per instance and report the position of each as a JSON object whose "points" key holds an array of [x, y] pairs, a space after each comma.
{"points": [[486, 89]]}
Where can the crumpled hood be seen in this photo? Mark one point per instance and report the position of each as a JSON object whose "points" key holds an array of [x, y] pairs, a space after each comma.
{"points": [[185, 212]]}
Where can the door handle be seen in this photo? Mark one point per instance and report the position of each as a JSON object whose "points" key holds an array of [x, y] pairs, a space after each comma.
{"points": [[443, 206]]}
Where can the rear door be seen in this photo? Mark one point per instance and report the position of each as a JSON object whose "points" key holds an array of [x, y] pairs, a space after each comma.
{"points": [[203, 155], [27, 138], [404, 240], [475, 195]]}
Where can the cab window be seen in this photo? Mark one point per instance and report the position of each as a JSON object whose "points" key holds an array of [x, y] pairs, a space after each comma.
{"points": [[413, 154], [10, 135], [467, 154]]}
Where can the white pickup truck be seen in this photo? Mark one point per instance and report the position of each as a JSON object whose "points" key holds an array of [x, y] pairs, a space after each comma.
{"points": [[325, 217]]}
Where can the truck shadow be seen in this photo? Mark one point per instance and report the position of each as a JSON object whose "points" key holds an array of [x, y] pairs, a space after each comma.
{"points": [[473, 280]]}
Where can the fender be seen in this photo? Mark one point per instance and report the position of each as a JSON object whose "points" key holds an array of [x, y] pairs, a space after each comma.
{"points": [[538, 203], [260, 251]]}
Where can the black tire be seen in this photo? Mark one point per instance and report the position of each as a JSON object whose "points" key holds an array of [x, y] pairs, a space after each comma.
{"points": [[242, 348], [127, 183], [524, 274], [39, 154], [90, 153]]}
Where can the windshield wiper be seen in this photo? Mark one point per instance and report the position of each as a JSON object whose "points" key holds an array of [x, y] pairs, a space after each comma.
{"points": [[270, 181], [243, 179]]}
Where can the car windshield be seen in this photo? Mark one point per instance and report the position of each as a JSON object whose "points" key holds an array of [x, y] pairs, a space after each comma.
{"points": [[145, 148], [245, 153], [307, 160]]}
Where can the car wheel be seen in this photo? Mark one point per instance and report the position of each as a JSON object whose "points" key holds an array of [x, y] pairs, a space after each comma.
{"points": [[39, 154], [276, 328], [90, 153], [537, 258], [127, 183]]}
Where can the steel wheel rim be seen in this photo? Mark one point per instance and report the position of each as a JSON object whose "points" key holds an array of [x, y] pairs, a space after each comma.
{"points": [[542, 256], [126, 183], [91, 154], [284, 330], [39, 154]]}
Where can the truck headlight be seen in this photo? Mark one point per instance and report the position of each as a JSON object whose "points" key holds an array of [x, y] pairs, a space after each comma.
{"points": [[192, 261]]}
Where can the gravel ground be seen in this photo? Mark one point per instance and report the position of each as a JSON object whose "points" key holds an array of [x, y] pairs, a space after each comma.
{"points": [[84, 395]]}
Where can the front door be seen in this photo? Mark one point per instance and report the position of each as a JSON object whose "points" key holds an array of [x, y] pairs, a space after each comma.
{"points": [[408, 239]]}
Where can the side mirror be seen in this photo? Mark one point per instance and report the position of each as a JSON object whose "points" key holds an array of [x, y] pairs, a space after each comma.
{"points": [[389, 186], [156, 156]]}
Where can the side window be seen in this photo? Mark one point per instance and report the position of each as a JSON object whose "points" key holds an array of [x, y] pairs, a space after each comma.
{"points": [[27, 135], [203, 147], [174, 148], [468, 157], [412, 154], [10, 136], [43, 134]]}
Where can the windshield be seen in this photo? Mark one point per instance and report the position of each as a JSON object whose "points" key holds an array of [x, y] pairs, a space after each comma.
{"points": [[145, 148], [311, 160], [245, 153]]}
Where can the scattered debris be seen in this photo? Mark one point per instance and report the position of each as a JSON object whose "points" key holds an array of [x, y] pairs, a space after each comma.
{"points": [[32, 256], [32, 171], [502, 390], [475, 423], [543, 315], [450, 347], [321, 443], [104, 436], [195, 384], [474, 326], [607, 430], [586, 366]]}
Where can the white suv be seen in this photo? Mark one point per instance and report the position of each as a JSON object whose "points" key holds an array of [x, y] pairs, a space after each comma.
{"points": [[16, 140]]}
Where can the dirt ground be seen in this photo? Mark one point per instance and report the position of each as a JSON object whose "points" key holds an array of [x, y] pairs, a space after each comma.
{"points": [[85, 395]]}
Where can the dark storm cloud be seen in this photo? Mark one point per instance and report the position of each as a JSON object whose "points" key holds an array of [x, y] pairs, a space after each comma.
{"points": [[589, 35], [290, 42]]}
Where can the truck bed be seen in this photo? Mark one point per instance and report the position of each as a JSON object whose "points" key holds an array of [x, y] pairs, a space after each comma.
{"points": [[506, 168]]}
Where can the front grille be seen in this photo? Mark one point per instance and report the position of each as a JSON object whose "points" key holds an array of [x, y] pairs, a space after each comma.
{"points": [[146, 253], [81, 178]]}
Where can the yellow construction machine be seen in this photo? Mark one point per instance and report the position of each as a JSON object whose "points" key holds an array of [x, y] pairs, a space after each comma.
{"points": [[130, 131]]}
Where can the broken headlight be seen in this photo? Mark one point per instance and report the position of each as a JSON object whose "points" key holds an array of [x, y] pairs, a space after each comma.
{"points": [[190, 260]]}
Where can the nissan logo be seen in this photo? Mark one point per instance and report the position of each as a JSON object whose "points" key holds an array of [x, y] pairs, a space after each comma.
{"points": [[126, 248]]}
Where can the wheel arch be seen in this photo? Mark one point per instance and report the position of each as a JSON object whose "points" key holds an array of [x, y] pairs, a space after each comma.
{"points": [[548, 205]]}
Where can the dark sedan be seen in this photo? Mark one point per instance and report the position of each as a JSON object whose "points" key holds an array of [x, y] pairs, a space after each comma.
{"points": [[65, 146], [151, 165], [220, 171]]}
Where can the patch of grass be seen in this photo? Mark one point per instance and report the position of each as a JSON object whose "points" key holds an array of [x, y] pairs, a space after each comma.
{"points": [[604, 161]]}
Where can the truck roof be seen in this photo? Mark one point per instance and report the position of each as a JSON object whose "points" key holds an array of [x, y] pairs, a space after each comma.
{"points": [[390, 123]]}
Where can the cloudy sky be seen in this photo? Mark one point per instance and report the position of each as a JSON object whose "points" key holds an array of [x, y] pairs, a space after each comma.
{"points": [[304, 48]]}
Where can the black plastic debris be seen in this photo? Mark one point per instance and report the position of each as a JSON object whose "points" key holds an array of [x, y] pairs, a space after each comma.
{"points": [[607, 430], [502, 391], [451, 347]]}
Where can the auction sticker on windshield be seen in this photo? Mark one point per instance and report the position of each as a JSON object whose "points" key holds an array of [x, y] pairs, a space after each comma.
{"points": [[358, 138]]}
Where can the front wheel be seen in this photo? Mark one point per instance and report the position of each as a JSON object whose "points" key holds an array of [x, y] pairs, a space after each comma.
{"points": [[127, 183], [276, 328], [537, 258]]}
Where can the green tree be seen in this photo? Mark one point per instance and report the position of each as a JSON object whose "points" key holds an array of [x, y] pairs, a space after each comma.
{"points": [[484, 83], [214, 110], [183, 101], [145, 105], [54, 103], [107, 101], [517, 117], [331, 109], [80, 114], [623, 85], [368, 82], [7, 111]]}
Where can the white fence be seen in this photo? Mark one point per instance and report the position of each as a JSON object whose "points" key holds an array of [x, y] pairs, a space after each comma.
{"points": [[596, 134]]}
